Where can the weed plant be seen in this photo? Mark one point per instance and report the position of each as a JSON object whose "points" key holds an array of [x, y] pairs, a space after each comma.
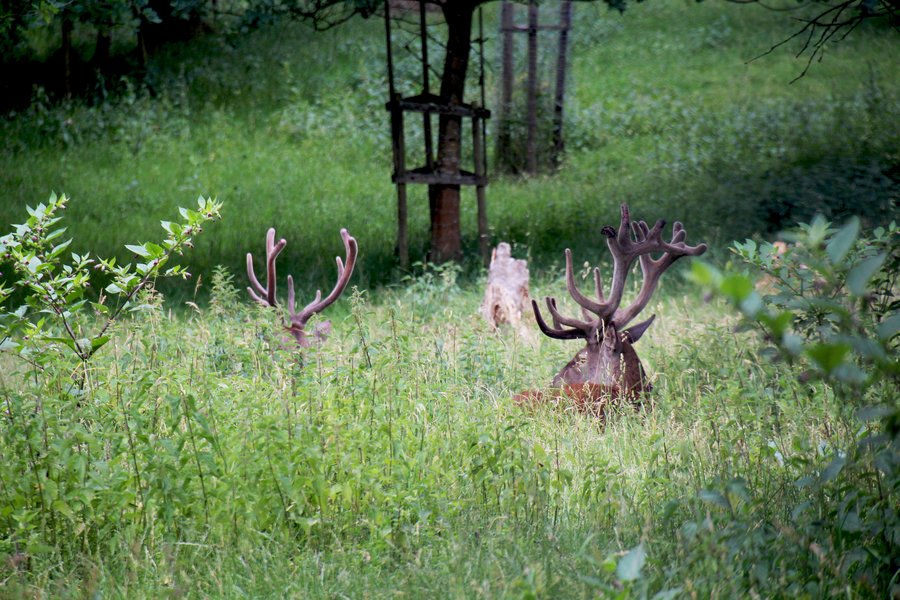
{"points": [[203, 457]]}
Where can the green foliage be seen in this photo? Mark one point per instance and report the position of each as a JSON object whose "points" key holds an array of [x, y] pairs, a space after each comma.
{"points": [[200, 461], [832, 300], [54, 289], [832, 309], [394, 459]]}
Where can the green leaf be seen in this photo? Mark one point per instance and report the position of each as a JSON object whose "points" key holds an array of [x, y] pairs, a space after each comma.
{"points": [[155, 250], [778, 324], [173, 228], [828, 356], [792, 343], [629, 568], [139, 250], [889, 327], [703, 274], [100, 308], [669, 594], [833, 469], [859, 276], [841, 243], [752, 305], [817, 230], [64, 509], [737, 287], [34, 264], [99, 342], [57, 250], [714, 497], [64, 340]]}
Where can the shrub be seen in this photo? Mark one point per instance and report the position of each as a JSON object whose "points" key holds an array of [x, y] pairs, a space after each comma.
{"points": [[832, 310]]}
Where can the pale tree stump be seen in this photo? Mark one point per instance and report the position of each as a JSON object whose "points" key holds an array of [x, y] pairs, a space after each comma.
{"points": [[506, 297]]}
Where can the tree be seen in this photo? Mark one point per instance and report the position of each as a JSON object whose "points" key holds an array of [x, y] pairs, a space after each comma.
{"points": [[444, 199], [835, 20]]}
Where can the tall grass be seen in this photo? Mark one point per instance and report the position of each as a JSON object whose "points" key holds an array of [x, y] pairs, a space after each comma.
{"points": [[206, 462]]}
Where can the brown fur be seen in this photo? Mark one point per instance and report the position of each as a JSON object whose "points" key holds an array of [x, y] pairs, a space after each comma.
{"points": [[589, 398]]}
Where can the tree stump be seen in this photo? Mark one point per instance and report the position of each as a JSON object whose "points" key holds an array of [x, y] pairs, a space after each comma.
{"points": [[506, 296]]}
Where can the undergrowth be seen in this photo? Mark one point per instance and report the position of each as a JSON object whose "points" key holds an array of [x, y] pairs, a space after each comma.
{"points": [[203, 457]]}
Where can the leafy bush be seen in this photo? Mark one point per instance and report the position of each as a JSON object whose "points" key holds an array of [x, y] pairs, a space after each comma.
{"points": [[55, 291], [828, 304]]}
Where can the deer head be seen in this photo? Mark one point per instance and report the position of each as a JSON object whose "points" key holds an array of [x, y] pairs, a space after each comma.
{"points": [[296, 322], [608, 366]]}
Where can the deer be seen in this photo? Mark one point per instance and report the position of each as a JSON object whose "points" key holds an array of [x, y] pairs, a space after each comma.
{"points": [[295, 323], [608, 368]]}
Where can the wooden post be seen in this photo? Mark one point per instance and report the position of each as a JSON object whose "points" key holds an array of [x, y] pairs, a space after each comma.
{"points": [[399, 149], [426, 88], [402, 237], [531, 143], [507, 20], [398, 145], [478, 156], [565, 23]]}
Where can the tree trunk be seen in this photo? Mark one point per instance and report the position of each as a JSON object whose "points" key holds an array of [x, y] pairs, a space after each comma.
{"points": [[67, 27], [100, 60], [446, 237], [565, 21], [504, 136]]}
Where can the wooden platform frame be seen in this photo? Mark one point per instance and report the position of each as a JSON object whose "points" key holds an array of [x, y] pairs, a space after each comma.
{"points": [[428, 104]]}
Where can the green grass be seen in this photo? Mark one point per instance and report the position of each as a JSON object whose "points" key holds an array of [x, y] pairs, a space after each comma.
{"points": [[287, 128], [203, 462], [415, 476]]}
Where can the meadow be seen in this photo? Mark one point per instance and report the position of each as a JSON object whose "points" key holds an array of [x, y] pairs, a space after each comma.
{"points": [[195, 455]]}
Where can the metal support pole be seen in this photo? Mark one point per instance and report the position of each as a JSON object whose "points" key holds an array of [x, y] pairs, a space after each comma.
{"points": [[399, 148]]}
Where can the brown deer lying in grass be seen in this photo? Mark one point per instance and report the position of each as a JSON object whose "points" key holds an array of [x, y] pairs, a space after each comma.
{"points": [[608, 368], [296, 322]]}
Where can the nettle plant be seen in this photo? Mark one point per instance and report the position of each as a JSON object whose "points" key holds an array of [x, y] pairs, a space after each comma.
{"points": [[827, 298], [827, 303], [59, 313]]}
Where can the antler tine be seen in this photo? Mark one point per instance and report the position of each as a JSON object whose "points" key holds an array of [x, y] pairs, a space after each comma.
{"points": [[558, 332], [559, 319], [344, 271], [598, 283], [652, 269], [619, 243], [292, 297], [598, 308], [257, 291], [556, 323]]}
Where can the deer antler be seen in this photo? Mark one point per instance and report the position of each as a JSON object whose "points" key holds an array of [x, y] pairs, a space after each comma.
{"points": [[624, 249], [266, 295], [652, 269]]}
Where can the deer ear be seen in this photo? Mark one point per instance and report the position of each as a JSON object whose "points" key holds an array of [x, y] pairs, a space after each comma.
{"points": [[635, 332]]}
